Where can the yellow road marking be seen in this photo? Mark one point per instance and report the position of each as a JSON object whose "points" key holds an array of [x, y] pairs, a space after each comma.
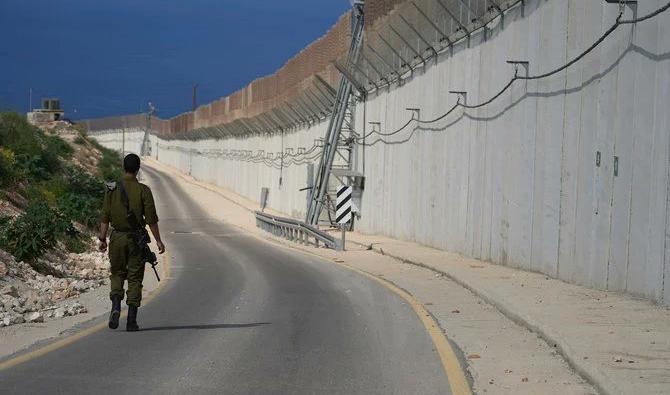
{"points": [[452, 367], [73, 338]]}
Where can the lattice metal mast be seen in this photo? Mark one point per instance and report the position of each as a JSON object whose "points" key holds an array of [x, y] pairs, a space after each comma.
{"points": [[147, 131], [339, 113]]}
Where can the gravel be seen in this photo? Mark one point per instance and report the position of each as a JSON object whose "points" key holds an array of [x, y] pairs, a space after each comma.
{"points": [[27, 295]]}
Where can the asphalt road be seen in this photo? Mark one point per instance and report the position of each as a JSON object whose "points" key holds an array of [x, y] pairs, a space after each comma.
{"points": [[243, 316]]}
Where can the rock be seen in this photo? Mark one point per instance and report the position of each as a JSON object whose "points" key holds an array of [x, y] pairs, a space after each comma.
{"points": [[59, 312], [19, 309], [8, 302], [3, 269], [34, 301], [10, 290], [58, 295], [14, 319], [34, 317], [18, 305], [76, 308], [80, 286]]}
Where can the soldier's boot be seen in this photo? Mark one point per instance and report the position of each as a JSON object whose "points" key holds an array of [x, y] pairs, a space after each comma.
{"points": [[131, 324], [115, 313]]}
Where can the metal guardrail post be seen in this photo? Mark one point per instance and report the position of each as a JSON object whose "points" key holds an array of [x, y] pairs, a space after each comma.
{"points": [[296, 231]]}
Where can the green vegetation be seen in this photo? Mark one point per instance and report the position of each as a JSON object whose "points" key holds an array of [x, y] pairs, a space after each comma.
{"points": [[110, 164], [38, 229], [35, 165], [81, 140], [81, 197]]}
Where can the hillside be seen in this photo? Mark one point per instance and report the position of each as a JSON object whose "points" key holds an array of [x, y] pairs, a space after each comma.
{"points": [[51, 188]]}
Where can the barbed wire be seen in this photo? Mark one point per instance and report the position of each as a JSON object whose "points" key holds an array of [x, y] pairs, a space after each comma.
{"points": [[618, 22], [279, 160]]}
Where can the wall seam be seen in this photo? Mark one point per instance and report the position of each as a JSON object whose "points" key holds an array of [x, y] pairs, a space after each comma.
{"points": [[565, 102]]}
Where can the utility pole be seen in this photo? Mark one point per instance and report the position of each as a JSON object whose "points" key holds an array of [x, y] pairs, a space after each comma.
{"points": [[30, 100], [145, 141], [195, 91], [123, 138]]}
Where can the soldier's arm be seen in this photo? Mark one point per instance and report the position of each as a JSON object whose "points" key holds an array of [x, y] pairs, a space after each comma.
{"points": [[157, 236], [104, 227], [104, 218], [151, 218]]}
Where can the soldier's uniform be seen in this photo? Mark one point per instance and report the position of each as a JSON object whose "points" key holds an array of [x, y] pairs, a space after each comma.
{"points": [[124, 254]]}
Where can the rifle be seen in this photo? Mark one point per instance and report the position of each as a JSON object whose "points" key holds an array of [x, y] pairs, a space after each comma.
{"points": [[140, 234]]}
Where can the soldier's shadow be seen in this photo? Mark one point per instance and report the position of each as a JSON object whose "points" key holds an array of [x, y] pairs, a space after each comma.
{"points": [[201, 327]]}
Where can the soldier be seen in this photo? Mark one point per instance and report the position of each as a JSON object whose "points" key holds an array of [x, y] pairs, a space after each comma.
{"points": [[124, 253]]}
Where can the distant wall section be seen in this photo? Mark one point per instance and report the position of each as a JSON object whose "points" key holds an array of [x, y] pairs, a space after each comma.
{"points": [[202, 160]]}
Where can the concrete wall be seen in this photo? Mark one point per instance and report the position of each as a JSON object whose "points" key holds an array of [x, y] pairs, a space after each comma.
{"points": [[515, 182], [244, 178]]}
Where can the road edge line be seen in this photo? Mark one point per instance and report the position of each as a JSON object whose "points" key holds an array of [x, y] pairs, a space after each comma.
{"points": [[41, 351], [452, 367]]}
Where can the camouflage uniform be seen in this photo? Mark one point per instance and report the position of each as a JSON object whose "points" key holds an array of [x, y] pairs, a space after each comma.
{"points": [[124, 254]]}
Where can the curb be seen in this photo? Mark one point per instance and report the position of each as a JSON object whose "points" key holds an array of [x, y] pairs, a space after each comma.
{"points": [[596, 379]]}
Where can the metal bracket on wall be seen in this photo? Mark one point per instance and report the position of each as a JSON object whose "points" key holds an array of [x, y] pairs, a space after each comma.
{"points": [[461, 94], [414, 111], [632, 4], [517, 63]]}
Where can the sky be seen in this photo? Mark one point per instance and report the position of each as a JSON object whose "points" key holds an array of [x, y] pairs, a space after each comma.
{"points": [[103, 57]]}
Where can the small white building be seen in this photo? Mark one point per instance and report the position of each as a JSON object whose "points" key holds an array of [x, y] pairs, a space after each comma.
{"points": [[49, 112]]}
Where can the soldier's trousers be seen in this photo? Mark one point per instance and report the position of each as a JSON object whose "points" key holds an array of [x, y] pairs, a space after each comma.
{"points": [[126, 264]]}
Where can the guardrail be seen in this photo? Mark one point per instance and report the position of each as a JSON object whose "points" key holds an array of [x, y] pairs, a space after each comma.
{"points": [[297, 231]]}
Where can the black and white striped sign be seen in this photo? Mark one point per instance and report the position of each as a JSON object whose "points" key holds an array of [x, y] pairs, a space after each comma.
{"points": [[343, 212]]}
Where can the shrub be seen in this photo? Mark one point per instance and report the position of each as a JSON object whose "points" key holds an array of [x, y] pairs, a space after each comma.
{"points": [[82, 196], [76, 244], [37, 230], [18, 135], [109, 166], [8, 173], [36, 154], [82, 209], [40, 192], [58, 147]]}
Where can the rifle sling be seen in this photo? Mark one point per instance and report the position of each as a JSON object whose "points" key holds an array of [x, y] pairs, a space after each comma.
{"points": [[134, 224]]}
